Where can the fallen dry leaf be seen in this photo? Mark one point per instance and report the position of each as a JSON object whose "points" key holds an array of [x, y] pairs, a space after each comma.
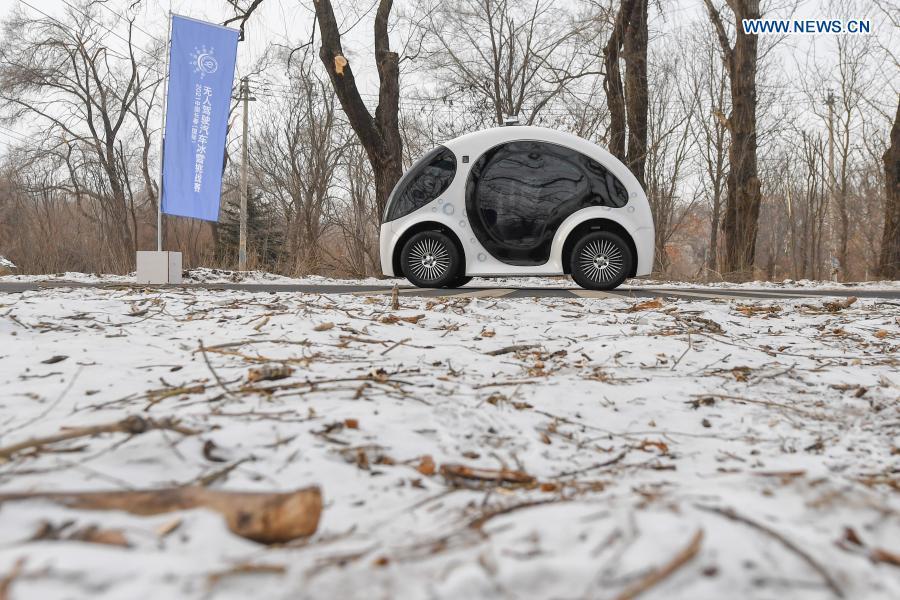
{"points": [[247, 569], [750, 310], [269, 373], [426, 465], [391, 319], [496, 398], [7, 580], [661, 446], [473, 477], [381, 561], [741, 373], [885, 556], [92, 534], [851, 536], [878, 555], [379, 375], [54, 359], [261, 324], [95, 535], [209, 452], [647, 305], [168, 527], [839, 305]]}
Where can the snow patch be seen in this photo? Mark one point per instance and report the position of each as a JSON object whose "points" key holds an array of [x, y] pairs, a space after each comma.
{"points": [[642, 424]]}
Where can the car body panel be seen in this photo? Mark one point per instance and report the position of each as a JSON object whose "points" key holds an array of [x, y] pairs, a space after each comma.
{"points": [[449, 208]]}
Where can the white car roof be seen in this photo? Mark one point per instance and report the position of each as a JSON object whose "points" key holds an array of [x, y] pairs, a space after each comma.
{"points": [[475, 144]]}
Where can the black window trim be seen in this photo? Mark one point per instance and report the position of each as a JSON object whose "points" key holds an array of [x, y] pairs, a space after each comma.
{"points": [[512, 255], [414, 171]]}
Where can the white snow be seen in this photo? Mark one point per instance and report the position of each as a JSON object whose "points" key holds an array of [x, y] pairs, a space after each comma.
{"points": [[779, 410], [786, 284], [5, 263], [208, 275]]}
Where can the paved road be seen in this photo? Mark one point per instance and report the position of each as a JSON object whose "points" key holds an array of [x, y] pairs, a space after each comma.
{"points": [[686, 293]]}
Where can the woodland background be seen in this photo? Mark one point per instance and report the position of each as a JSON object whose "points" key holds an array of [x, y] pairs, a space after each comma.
{"points": [[759, 161]]}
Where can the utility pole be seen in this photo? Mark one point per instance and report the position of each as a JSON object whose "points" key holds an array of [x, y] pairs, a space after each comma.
{"points": [[242, 246]]}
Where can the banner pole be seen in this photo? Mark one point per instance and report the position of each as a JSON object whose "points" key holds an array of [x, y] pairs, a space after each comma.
{"points": [[162, 138]]}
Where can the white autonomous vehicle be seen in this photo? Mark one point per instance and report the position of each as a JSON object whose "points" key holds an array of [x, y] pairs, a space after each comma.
{"points": [[517, 201]]}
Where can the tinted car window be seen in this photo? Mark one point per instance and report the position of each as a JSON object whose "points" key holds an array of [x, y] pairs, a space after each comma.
{"points": [[426, 180], [520, 192]]}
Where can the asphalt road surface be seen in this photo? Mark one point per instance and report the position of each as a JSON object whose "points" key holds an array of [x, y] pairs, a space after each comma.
{"points": [[685, 293]]}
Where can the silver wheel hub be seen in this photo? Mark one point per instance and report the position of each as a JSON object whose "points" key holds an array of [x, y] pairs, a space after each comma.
{"points": [[429, 259], [601, 261]]}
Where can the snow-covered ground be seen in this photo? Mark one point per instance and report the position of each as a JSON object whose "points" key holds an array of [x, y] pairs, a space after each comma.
{"points": [[206, 275], [706, 449]]}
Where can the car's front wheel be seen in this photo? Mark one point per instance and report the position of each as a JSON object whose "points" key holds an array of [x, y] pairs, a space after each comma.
{"points": [[431, 259], [600, 261], [459, 281]]}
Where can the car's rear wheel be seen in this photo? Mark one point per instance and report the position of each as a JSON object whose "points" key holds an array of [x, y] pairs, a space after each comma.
{"points": [[600, 261], [431, 259]]}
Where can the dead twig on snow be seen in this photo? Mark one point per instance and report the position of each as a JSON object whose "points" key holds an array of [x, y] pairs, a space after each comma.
{"points": [[475, 478], [215, 375], [730, 513], [7, 581], [478, 522], [265, 517], [133, 425], [600, 465], [656, 576], [513, 348]]}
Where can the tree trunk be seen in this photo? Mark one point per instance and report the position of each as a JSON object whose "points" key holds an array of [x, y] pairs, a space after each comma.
{"points": [[712, 260], [379, 135], [890, 241], [612, 80], [635, 46], [741, 220]]}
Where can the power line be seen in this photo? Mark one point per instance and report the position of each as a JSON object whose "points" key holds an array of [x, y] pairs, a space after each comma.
{"points": [[136, 26], [10, 133], [66, 27]]}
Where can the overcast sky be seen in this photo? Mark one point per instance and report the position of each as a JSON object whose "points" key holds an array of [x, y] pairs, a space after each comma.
{"points": [[290, 21]]}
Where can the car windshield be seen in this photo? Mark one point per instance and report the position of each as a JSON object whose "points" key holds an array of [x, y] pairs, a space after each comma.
{"points": [[427, 179]]}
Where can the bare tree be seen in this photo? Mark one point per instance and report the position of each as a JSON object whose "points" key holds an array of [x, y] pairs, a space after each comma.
{"points": [[835, 86], [506, 57], [668, 149], [378, 134], [811, 205], [296, 154], [707, 81], [889, 265], [742, 205], [357, 210], [628, 103], [66, 77]]}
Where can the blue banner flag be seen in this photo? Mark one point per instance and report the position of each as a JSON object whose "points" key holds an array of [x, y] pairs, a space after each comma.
{"points": [[201, 71]]}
